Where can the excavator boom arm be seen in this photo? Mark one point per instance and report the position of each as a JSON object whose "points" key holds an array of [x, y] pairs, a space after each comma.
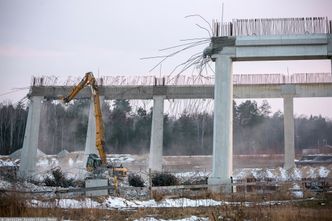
{"points": [[90, 80]]}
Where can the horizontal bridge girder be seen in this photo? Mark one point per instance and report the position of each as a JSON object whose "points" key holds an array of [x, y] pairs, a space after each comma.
{"points": [[190, 92], [277, 47]]}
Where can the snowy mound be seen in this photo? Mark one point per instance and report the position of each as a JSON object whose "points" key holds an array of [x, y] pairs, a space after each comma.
{"points": [[62, 154], [17, 154], [280, 174], [120, 158]]}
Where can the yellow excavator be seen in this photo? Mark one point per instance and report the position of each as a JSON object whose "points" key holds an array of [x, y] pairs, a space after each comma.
{"points": [[94, 162]]}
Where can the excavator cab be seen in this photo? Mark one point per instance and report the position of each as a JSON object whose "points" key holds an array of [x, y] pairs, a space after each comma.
{"points": [[93, 162]]}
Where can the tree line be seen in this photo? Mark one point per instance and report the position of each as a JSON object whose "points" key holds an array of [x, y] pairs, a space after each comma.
{"points": [[256, 129]]}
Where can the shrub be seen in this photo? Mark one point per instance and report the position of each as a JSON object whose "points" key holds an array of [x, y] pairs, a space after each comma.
{"points": [[135, 180], [164, 179], [58, 179]]}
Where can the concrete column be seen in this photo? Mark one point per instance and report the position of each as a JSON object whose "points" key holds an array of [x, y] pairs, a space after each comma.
{"points": [[90, 142], [289, 133], [156, 141], [30, 143], [222, 165]]}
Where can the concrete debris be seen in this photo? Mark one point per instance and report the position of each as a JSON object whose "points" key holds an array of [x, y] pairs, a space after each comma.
{"points": [[17, 154], [62, 153]]}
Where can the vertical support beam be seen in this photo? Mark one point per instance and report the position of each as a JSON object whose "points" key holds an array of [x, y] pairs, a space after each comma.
{"points": [[289, 152], [90, 142], [157, 128], [30, 143], [222, 165]]}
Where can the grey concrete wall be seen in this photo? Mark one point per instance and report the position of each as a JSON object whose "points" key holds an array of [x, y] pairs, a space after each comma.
{"points": [[30, 143], [157, 128]]}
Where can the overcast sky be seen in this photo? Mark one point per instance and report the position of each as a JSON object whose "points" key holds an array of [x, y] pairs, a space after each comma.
{"points": [[69, 38]]}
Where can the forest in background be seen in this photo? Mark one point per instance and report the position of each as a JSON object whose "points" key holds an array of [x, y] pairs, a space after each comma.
{"points": [[256, 129]]}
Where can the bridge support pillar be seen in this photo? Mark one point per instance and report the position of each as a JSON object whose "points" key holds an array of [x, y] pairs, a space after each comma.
{"points": [[289, 151], [157, 128], [222, 165], [30, 143], [90, 142]]}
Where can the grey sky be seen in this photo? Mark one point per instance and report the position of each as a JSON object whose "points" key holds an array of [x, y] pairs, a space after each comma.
{"points": [[71, 37]]}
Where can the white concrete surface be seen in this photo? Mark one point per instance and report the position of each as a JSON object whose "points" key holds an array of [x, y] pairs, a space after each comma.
{"points": [[30, 143], [156, 141]]}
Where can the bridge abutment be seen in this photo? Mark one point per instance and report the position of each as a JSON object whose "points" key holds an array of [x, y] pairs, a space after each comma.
{"points": [[222, 164], [157, 128], [30, 143]]}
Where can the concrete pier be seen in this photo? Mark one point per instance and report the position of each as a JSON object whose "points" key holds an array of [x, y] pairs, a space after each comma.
{"points": [[157, 128], [90, 142], [289, 153], [30, 143], [222, 165]]}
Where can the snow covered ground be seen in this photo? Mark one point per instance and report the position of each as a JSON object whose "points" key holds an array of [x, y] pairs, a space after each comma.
{"points": [[277, 174], [192, 218], [72, 166], [280, 174], [121, 203]]}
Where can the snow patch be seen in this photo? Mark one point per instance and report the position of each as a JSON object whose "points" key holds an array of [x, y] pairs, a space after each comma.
{"points": [[192, 218], [297, 175], [70, 203], [283, 174], [297, 191], [193, 174], [42, 162], [312, 173], [280, 174], [7, 163], [120, 158], [54, 162], [70, 162], [116, 202], [121, 203], [66, 203], [323, 172], [5, 185], [269, 174]]}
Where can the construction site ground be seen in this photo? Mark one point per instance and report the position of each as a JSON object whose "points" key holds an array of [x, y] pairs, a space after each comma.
{"points": [[292, 198]]}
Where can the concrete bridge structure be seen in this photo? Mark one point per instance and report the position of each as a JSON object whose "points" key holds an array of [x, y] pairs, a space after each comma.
{"points": [[259, 40], [286, 44], [245, 87]]}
